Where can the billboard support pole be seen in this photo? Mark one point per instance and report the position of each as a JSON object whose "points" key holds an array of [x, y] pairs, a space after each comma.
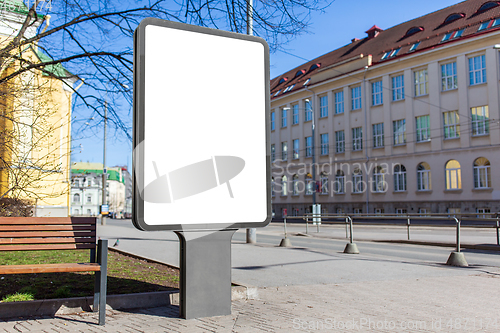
{"points": [[205, 273]]}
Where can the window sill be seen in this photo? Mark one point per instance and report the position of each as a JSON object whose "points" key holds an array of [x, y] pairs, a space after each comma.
{"points": [[381, 147], [423, 95], [478, 84], [454, 138], [399, 145], [379, 192], [340, 193], [400, 192], [423, 192], [324, 194], [352, 110], [423, 141], [323, 117], [295, 195], [458, 190], [375, 105], [357, 150], [480, 135], [357, 193], [398, 100], [483, 189], [338, 114], [451, 89]]}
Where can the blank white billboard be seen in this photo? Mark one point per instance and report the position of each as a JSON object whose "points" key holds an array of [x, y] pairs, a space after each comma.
{"points": [[201, 105]]}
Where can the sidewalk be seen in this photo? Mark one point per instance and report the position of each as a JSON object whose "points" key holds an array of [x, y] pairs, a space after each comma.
{"points": [[315, 287]]}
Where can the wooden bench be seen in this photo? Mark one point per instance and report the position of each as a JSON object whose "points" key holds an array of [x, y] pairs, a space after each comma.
{"points": [[58, 233]]}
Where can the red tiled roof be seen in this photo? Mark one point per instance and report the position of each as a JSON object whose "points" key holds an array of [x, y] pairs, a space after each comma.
{"points": [[433, 31]]}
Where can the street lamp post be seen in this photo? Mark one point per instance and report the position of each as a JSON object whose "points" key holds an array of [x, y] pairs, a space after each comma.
{"points": [[104, 170]]}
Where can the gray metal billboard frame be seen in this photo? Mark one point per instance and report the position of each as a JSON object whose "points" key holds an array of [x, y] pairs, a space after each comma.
{"points": [[139, 127]]}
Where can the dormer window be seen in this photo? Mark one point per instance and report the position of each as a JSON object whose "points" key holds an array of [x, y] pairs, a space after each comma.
{"points": [[277, 93], [385, 55], [453, 17], [313, 67], [484, 26], [282, 80], [299, 73], [496, 23], [452, 35], [307, 81], [487, 6], [413, 31]]}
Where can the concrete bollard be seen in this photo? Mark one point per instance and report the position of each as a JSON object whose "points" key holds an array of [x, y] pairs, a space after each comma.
{"points": [[457, 258], [351, 247]]}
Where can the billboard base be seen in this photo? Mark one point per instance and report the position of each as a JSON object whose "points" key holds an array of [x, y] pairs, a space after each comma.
{"points": [[205, 273]]}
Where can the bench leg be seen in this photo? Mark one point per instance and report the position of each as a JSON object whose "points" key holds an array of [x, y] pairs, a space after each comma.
{"points": [[101, 280]]}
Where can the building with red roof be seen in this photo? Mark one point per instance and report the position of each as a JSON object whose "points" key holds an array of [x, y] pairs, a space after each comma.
{"points": [[404, 120]]}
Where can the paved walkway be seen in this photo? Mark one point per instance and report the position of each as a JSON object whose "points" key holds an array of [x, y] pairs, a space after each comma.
{"points": [[308, 289]]}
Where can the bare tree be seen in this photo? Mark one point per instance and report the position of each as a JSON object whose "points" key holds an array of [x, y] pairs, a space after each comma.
{"points": [[94, 40]]}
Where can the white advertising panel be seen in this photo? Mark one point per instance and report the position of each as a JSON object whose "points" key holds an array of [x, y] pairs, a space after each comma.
{"points": [[201, 105]]}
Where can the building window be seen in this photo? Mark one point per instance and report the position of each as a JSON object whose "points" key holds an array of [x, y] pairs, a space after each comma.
{"points": [[273, 153], [480, 120], [295, 185], [357, 139], [398, 88], [357, 211], [378, 211], [273, 125], [423, 177], [308, 116], [379, 184], [423, 124], [324, 183], [423, 212], [483, 26], [76, 211], [339, 142], [309, 146], [356, 98], [309, 185], [399, 130], [378, 135], [324, 144], [453, 175], [482, 173], [483, 211], [357, 181], [421, 87], [339, 102], [296, 149], [284, 151], [89, 211], [284, 185], [451, 125], [401, 211], [414, 46], [76, 197], [323, 106], [284, 117], [477, 70], [340, 182], [449, 76], [89, 198], [395, 52], [399, 178], [273, 187], [340, 211], [377, 97], [295, 110]]}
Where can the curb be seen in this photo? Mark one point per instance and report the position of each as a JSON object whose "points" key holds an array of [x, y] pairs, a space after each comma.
{"points": [[484, 247]]}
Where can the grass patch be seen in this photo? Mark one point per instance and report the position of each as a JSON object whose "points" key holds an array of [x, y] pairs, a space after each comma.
{"points": [[125, 275]]}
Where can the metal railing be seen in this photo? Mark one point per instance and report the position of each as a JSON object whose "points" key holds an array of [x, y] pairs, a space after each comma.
{"points": [[488, 220]]}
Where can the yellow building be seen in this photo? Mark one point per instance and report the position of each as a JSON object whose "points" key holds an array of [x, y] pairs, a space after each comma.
{"points": [[35, 127]]}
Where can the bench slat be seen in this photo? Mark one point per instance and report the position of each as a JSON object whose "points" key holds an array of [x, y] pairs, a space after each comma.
{"points": [[45, 240], [46, 221], [28, 234], [46, 247], [49, 268], [45, 227]]}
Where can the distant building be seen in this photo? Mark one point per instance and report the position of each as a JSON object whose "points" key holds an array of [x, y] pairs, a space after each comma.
{"points": [[127, 213], [405, 120], [86, 190]]}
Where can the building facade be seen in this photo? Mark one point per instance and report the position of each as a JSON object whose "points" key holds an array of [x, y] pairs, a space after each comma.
{"points": [[86, 190], [405, 120], [35, 127]]}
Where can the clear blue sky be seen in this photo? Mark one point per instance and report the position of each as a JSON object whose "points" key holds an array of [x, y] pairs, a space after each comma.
{"points": [[342, 21]]}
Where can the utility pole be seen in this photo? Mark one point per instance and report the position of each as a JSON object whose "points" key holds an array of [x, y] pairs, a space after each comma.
{"points": [[104, 170], [252, 232]]}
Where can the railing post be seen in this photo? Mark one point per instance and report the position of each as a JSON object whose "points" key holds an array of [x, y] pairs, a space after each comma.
{"points": [[408, 226], [307, 225], [351, 247], [457, 258], [498, 230], [346, 232]]}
